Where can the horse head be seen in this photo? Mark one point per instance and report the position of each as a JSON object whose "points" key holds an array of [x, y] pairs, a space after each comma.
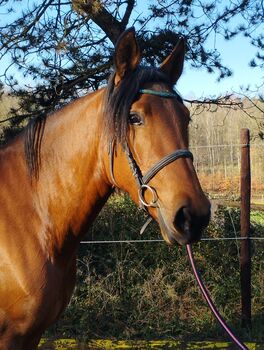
{"points": [[147, 125]]}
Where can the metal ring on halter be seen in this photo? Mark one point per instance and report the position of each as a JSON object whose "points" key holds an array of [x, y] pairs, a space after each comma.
{"points": [[153, 202]]}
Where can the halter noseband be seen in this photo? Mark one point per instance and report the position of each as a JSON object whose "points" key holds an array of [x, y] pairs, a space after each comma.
{"points": [[143, 180]]}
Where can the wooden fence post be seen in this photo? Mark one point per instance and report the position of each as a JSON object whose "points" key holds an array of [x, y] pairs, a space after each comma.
{"points": [[245, 256]]}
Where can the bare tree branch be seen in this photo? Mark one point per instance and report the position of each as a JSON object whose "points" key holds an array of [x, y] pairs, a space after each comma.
{"points": [[103, 18]]}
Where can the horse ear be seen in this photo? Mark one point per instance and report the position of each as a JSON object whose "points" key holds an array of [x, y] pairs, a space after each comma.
{"points": [[127, 54], [172, 66]]}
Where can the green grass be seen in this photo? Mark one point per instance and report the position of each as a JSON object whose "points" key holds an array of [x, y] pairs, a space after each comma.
{"points": [[257, 217]]}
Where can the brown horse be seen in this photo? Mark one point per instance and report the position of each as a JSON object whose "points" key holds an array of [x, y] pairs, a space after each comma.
{"points": [[58, 173]]}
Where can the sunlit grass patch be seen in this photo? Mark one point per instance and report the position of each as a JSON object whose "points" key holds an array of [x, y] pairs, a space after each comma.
{"points": [[257, 217], [70, 344]]}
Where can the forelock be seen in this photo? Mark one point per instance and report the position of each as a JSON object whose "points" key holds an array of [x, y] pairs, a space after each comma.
{"points": [[118, 99]]}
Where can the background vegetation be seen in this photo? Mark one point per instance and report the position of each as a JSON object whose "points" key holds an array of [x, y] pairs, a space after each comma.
{"points": [[215, 142], [147, 290]]}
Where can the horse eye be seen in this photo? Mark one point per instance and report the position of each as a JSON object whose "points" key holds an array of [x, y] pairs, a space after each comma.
{"points": [[135, 119]]}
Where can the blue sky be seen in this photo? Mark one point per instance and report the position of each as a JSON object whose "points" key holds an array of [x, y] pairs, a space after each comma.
{"points": [[236, 54]]}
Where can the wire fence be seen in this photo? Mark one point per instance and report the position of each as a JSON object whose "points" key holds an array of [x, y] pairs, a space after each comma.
{"points": [[205, 239], [162, 241], [241, 237]]}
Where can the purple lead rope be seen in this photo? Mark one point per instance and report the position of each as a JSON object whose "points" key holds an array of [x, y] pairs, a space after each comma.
{"points": [[210, 302]]}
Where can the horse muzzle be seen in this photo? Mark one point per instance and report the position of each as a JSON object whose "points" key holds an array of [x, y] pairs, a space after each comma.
{"points": [[186, 226]]}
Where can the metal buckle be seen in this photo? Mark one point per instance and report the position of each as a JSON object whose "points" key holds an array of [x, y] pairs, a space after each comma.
{"points": [[153, 202]]}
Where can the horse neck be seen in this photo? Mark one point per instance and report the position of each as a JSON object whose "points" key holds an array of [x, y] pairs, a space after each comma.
{"points": [[71, 187]]}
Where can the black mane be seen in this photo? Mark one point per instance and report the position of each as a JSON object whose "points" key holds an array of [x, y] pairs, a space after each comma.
{"points": [[118, 99], [33, 138]]}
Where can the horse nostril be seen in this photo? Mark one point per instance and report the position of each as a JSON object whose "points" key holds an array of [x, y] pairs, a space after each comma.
{"points": [[183, 220], [190, 224]]}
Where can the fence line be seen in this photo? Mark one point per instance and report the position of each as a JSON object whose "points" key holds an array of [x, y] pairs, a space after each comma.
{"points": [[162, 241], [227, 145]]}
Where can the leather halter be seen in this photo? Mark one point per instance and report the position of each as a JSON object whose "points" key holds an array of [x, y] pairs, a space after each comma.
{"points": [[143, 180]]}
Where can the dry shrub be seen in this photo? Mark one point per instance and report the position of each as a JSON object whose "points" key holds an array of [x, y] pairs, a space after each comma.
{"points": [[224, 185]]}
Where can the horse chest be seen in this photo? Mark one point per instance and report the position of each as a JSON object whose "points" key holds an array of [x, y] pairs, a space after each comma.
{"points": [[60, 282]]}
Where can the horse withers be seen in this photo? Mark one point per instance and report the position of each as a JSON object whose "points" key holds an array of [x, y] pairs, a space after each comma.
{"points": [[58, 173]]}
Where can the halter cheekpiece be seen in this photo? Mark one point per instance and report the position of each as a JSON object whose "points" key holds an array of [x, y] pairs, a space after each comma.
{"points": [[143, 180]]}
